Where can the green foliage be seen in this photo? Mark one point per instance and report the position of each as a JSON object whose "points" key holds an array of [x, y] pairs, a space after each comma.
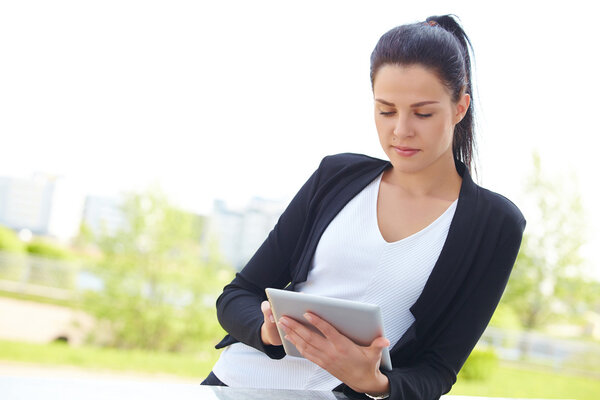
{"points": [[10, 242], [84, 238], [542, 279], [159, 291], [505, 317], [46, 249], [480, 365]]}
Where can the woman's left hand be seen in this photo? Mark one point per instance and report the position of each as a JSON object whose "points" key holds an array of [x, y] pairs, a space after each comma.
{"points": [[357, 366]]}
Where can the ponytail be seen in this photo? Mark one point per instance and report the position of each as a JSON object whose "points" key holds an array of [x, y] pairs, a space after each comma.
{"points": [[463, 145]]}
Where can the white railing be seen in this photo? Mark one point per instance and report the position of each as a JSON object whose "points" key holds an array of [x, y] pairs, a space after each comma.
{"points": [[574, 355], [28, 274]]}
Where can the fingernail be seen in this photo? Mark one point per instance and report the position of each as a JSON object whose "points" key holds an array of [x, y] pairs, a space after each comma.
{"points": [[283, 321], [307, 316]]}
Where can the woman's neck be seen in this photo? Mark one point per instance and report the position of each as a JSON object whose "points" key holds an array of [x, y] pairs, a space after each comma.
{"points": [[439, 180]]}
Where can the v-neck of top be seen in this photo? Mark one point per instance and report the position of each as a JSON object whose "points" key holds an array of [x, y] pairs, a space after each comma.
{"points": [[377, 184]]}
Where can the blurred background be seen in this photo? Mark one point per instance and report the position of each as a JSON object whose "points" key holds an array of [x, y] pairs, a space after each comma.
{"points": [[150, 146]]}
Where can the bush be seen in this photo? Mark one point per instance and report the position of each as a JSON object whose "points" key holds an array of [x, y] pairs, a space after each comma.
{"points": [[10, 242], [48, 250], [480, 365]]}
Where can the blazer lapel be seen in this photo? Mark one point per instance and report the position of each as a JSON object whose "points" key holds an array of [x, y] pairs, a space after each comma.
{"points": [[330, 202]]}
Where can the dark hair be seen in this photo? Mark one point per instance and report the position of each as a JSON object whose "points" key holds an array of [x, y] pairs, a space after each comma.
{"points": [[441, 45]]}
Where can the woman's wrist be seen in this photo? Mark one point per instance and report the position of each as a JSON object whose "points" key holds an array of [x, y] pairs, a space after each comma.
{"points": [[381, 389]]}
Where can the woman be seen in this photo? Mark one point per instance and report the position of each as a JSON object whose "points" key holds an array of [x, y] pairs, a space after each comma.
{"points": [[413, 234]]}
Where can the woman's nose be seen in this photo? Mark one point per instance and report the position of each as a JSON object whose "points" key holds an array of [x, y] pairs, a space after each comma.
{"points": [[402, 127]]}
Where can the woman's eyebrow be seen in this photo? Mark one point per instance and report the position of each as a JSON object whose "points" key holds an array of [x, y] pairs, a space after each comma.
{"points": [[419, 104], [424, 103], [387, 103]]}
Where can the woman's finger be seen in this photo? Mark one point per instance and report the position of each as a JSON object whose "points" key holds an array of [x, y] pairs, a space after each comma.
{"points": [[376, 347], [306, 341], [269, 332], [303, 332], [380, 343], [301, 336], [323, 326], [265, 307]]}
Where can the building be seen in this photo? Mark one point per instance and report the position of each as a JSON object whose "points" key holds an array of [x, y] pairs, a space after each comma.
{"points": [[103, 215], [240, 232], [45, 205]]}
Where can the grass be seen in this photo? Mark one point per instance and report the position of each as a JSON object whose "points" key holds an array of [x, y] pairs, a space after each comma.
{"points": [[37, 299], [185, 365], [509, 380]]}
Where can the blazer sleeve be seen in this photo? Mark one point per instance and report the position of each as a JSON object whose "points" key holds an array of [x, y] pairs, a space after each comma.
{"points": [[434, 371], [238, 307]]}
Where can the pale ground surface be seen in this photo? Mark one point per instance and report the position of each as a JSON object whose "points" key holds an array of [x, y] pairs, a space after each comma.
{"points": [[106, 379], [41, 323]]}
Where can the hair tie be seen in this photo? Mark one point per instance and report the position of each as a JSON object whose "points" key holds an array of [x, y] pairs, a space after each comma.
{"points": [[431, 23]]}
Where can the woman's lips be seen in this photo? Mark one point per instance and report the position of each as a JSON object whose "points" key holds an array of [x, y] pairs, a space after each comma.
{"points": [[405, 151]]}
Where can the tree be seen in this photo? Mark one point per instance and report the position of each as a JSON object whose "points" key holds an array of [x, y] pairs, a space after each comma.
{"points": [[158, 288], [548, 264]]}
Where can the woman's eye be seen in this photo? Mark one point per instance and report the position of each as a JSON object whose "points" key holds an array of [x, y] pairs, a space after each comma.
{"points": [[387, 112], [423, 115]]}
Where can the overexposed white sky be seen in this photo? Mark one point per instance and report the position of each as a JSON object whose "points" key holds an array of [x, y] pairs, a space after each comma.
{"points": [[233, 99]]}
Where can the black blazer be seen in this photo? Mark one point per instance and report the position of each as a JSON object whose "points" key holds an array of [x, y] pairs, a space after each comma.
{"points": [[457, 301]]}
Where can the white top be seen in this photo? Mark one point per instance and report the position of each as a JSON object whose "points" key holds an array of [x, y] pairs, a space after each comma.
{"points": [[352, 261]]}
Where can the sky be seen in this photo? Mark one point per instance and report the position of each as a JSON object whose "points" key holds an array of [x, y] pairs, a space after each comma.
{"points": [[235, 99]]}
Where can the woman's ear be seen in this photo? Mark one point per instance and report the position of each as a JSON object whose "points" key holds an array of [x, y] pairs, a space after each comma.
{"points": [[462, 106]]}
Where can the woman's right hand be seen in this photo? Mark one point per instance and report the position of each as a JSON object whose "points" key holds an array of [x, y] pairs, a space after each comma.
{"points": [[268, 331]]}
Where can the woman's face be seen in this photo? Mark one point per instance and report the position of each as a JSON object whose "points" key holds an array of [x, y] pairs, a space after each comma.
{"points": [[415, 117]]}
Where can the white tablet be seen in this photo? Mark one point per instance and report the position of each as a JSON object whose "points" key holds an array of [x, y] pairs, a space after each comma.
{"points": [[360, 322]]}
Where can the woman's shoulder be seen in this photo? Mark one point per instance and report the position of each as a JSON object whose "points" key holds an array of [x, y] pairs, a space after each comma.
{"points": [[336, 162], [480, 200], [502, 206]]}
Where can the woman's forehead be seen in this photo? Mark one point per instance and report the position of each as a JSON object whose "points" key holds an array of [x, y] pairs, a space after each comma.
{"points": [[407, 83]]}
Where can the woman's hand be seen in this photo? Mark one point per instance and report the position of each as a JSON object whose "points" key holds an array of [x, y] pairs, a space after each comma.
{"points": [[268, 331], [357, 366]]}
